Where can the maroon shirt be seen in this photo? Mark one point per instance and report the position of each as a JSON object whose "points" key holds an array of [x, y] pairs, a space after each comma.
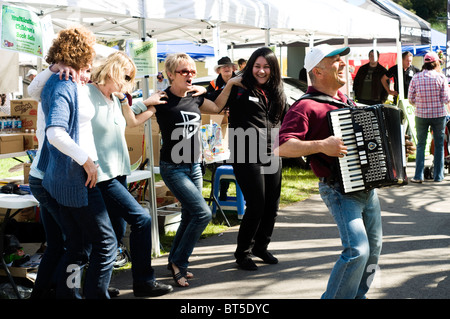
{"points": [[307, 120]]}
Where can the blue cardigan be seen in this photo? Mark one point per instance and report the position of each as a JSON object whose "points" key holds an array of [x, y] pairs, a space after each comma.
{"points": [[64, 178]]}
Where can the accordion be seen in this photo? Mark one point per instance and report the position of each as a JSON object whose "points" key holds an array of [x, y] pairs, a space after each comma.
{"points": [[375, 142]]}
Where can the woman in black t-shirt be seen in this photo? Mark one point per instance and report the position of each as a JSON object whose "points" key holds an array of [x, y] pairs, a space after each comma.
{"points": [[180, 162]]}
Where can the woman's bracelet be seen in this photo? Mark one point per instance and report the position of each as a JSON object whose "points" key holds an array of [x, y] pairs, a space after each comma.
{"points": [[124, 98]]}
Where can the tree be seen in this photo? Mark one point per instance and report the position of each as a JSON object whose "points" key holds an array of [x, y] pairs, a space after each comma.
{"points": [[429, 10]]}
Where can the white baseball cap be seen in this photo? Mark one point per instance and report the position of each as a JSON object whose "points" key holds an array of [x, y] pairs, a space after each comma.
{"points": [[316, 54]]}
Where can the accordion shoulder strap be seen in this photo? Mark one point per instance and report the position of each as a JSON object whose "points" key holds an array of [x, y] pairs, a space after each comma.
{"points": [[323, 98]]}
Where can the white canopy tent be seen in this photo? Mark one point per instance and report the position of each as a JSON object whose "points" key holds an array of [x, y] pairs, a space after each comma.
{"points": [[227, 21], [219, 23]]}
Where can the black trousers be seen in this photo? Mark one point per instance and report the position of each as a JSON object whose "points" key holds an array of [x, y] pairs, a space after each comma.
{"points": [[262, 196]]}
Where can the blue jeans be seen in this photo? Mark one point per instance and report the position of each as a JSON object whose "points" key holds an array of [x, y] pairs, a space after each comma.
{"points": [[122, 205], [51, 260], [85, 227], [437, 125], [358, 218], [185, 182]]}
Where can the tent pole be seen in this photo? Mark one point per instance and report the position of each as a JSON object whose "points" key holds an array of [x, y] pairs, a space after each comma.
{"points": [[232, 51], [216, 40], [311, 45], [347, 77], [401, 90], [149, 151], [375, 51], [267, 28]]}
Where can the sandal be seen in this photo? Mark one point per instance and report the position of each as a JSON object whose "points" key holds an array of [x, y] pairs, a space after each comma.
{"points": [[189, 275], [178, 276]]}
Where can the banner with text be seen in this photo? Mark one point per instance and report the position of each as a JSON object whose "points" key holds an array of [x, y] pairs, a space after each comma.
{"points": [[22, 31], [144, 55]]}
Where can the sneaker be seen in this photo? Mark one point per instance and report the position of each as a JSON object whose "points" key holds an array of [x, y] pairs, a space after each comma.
{"points": [[246, 263], [267, 257], [151, 289], [417, 181], [122, 257]]}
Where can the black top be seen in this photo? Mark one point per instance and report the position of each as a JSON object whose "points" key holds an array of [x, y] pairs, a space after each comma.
{"points": [[253, 112], [407, 76], [180, 121]]}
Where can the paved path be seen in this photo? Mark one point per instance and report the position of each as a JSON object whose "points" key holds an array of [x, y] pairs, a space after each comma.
{"points": [[415, 260]]}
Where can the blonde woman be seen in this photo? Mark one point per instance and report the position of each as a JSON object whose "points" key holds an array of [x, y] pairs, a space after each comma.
{"points": [[117, 74], [180, 161]]}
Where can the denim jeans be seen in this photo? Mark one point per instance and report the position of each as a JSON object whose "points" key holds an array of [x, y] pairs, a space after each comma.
{"points": [[262, 196], [121, 205], [51, 260], [358, 218], [87, 227], [437, 125], [185, 181]]}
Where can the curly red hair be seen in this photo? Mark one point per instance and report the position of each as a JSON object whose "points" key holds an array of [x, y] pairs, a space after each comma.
{"points": [[74, 47]]}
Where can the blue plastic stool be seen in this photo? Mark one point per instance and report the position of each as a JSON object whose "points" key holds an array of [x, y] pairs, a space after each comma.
{"points": [[236, 202]]}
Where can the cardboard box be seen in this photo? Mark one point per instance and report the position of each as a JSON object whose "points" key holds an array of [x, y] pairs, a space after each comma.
{"points": [[140, 129], [30, 141], [156, 141], [160, 189], [24, 107], [165, 200], [26, 215], [218, 118], [136, 151], [26, 172], [163, 195], [155, 126], [29, 273], [137, 148], [28, 122], [11, 143]]}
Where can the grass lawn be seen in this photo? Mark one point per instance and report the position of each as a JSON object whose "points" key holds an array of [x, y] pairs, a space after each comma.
{"points": [[9, 167]]}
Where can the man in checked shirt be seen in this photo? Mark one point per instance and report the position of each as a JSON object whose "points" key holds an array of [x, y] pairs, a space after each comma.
{"points": [[429, 93]]}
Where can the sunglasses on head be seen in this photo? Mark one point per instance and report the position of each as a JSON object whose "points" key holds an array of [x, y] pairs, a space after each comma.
{"points": [[186, 72], [127, 78]]}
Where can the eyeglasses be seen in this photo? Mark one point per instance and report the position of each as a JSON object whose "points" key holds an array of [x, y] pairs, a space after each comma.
{"points": [[127, 78], [186, 72]]}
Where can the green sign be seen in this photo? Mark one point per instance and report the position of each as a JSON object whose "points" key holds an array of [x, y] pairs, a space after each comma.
{"points": [[21, 31], [409, 111], [144, 55]]}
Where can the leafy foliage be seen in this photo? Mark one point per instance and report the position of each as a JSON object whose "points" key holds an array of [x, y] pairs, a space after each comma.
{"points": [[429, 10]]}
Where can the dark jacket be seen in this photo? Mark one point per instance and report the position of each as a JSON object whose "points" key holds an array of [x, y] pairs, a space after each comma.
{"points": [[215, 87], [251, 109], [379, 94]]}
